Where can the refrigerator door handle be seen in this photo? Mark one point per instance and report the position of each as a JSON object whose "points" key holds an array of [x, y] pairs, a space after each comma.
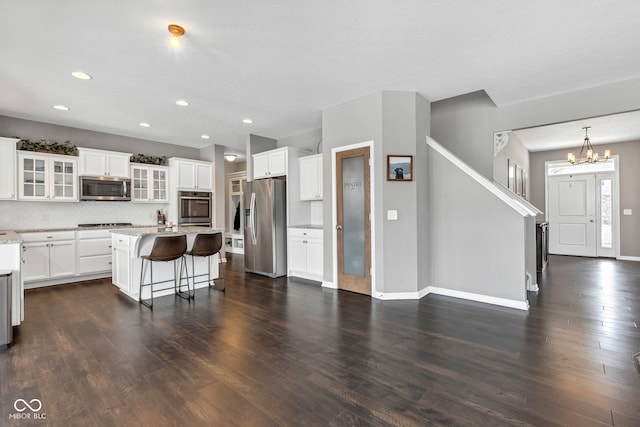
{"points": [[252, 218]]}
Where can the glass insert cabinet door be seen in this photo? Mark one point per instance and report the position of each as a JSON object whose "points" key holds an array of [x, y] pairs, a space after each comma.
{"points": [[34, 183], [353, 228], [140, 184], [160, 185], [64, 173]]}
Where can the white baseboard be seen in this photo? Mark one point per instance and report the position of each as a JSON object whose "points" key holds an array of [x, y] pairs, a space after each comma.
{"points": [[503, 302], [520, 305], [401, 295], [628, 258], [329, 285]]}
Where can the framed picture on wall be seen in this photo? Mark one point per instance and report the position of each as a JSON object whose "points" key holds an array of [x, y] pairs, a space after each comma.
{"points": [[399, 168], [518, 180], [524, 183], [511, 177]]}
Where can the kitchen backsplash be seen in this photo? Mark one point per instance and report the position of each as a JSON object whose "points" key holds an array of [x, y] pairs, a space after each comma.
{"points": [[30, 215]]}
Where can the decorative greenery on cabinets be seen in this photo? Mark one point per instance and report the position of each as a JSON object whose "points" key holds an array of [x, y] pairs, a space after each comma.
{"points": [[149, 160], [44, 146]]}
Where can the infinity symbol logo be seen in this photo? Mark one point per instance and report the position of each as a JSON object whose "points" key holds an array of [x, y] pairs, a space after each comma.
{"points": [[37, 405]]}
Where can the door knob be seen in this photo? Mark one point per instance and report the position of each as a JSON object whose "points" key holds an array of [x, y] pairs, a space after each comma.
{"points": [[338, 227]]}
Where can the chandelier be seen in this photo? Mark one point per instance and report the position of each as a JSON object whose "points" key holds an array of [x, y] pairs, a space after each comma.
{"points": [[592, 156]]}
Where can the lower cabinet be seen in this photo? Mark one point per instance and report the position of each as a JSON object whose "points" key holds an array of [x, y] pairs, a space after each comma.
{"points": [[305, 249], [94, 251], [49, 256]]}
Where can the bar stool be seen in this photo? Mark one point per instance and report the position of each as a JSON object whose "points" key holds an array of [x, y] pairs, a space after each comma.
{"points": [[206, 245], [165, 249]]}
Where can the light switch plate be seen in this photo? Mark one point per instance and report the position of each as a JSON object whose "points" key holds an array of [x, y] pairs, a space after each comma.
{"points": [[392, 215], [627, 212]]}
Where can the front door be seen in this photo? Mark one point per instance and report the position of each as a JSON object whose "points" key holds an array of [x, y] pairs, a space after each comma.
{"points": [[572, 215], [353, 227]]}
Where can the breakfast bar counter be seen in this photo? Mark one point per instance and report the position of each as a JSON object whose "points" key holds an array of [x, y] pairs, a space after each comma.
{"points": [[129, 244]]}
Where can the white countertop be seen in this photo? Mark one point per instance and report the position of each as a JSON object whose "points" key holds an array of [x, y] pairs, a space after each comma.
{"points": [[8, 236], [164, 230], [309, 226]]}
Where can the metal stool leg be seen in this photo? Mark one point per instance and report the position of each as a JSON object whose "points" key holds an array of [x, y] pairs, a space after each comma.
{"points": [[177, 284], [220, 275]]}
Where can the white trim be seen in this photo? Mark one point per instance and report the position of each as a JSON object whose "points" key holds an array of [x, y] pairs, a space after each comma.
{"points": [[518, 204], [334, 216], [628, 258], [304, 275], [520, 305], [401, 295], [330, 285]]}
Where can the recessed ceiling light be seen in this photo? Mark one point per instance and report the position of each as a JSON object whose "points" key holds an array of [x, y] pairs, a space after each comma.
{"points": [[61, 107], [205, 136], [247, 121], [145, 125], [80, 75], [182, 103]]}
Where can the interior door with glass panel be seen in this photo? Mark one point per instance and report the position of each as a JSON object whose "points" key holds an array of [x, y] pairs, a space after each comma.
{"points": [[353, 227]]}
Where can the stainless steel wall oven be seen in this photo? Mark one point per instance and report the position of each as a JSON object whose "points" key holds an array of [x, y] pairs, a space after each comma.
{"points": [[194, 208]]}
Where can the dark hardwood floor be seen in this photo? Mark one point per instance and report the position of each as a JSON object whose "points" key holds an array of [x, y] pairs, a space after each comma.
{"points": [[287, 352]]}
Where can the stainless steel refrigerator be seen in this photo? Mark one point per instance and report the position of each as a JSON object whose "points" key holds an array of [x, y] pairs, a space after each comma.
{"points": [[265, 232]]}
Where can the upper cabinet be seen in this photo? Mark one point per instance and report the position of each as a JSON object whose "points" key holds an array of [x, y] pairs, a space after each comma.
{"points": [[8, 168], [149, 183], [191, 174], [311, 177], [269, 164], [103, 163], [47, 177]]}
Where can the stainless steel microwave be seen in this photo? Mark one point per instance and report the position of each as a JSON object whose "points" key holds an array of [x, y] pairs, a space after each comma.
{"points": [[105, 188]]}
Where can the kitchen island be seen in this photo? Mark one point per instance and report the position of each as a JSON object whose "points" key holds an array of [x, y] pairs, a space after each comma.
{"points": [[129, 244], [11, 261]]}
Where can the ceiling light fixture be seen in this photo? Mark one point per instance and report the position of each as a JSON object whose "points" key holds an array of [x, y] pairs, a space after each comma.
{"points": [[145, 124], [205, 136], [61, 107], [80, 75], [247, 121], [230, 157], [176, 32], [182, 103], [592, 156]]}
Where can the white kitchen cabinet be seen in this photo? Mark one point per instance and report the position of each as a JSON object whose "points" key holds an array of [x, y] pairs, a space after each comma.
{"points": [[94, 252], [310, 177], [189, 174], [8, 168], [49, 255], [103, 163], [49, 177], [269, 164], [149, 183], [11, 260], [305, 253], [122, 263]]}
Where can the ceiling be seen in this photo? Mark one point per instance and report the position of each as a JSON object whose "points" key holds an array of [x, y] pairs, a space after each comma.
{"points": [[282, 62], [621, 127]]}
